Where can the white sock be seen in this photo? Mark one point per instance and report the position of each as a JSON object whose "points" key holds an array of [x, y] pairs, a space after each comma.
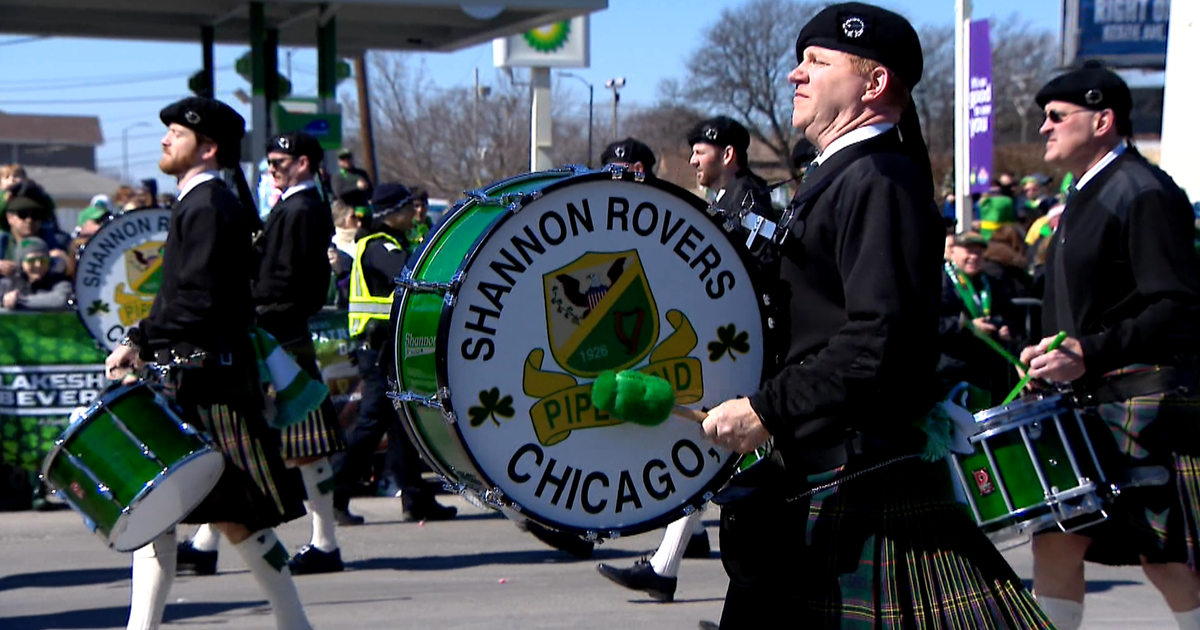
{"points": [[670, 551], [1065, 614], [153, 572], [1189, 620], [318, 483], [206, 538], [267, 560]]}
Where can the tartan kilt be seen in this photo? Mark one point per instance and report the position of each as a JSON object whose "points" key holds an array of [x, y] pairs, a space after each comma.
{"points": [[890, 549], [256, 489], [320, 433], [1159, 522]]}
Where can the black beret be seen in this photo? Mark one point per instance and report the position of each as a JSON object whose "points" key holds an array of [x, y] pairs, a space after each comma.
{"points": [[389, 198], [721, 131], [296, 144], [629, 151], [869, 32], [209, 117], [1093, 86]]}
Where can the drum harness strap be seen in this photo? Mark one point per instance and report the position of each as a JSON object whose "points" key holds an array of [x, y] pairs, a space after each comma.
{"points": [[837, 482], [1119, 388]]}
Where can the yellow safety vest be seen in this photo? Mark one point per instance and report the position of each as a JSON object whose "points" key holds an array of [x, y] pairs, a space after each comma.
{"points": [[365, 307]]}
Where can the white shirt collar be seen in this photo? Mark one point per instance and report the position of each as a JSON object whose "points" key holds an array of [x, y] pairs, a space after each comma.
{"points": [[196, 181], [852, 137], [304, 185], [1104, 161]]}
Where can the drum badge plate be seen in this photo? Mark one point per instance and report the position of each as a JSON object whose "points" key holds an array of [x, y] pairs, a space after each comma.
{"points": [[983, 482]]}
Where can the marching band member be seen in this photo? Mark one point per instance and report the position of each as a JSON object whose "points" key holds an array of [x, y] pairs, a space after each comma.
{"points": [[846, 525], [1122, 281], [204, 306], [379, 258]]}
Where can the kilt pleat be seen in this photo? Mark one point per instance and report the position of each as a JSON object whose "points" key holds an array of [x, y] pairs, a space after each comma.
{"points": [[319, 434], [892, 549]]}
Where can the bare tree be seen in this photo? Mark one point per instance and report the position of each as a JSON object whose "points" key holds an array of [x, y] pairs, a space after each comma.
{"points": [[934, 95], [741, 68], [1023, 60]]}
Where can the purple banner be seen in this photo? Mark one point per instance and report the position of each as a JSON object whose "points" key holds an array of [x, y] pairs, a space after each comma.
{"points": [[979, 121]]}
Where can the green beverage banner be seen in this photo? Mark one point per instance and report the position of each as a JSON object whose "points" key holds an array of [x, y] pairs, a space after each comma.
{"points": [[49, 365]]}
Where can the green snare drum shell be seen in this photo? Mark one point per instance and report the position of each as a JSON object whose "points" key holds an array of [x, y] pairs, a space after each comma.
{"points": [[98, 445], [445, 252]]}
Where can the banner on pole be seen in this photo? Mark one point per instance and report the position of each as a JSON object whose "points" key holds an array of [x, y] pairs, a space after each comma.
{"points": [[979, 100]]}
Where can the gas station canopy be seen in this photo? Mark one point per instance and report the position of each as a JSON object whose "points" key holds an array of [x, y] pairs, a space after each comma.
{"points": [[420, 25]]}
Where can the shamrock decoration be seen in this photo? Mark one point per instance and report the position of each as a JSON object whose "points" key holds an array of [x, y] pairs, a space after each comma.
{"points": [[728, 340], [490, 406], [97, 306]]}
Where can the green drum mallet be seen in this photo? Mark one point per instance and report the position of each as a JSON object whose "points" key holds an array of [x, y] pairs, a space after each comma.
{"points": [[639, 398]]}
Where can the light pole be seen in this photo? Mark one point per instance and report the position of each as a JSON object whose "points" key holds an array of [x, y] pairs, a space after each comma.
{"points": [[615, 85], [125, 147], [591, 109]]}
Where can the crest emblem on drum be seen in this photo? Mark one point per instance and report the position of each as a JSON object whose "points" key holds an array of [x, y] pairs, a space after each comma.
{"points": [[600, 313], [143, 271]]}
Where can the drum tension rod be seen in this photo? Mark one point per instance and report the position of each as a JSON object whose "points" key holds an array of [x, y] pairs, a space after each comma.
{"points": [[405, 281]]}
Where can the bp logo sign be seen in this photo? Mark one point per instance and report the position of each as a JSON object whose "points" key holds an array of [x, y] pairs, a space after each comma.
{"points": [[548, 38]]}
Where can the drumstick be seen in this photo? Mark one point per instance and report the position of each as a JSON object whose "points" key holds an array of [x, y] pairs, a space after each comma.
{"points": [[987, 339], [1054, 343], [639, 398]]}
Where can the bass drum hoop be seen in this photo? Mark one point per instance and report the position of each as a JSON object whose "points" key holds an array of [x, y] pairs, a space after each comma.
{"points": [[493, 493]]}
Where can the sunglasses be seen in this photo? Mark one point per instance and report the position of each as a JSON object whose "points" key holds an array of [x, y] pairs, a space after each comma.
{"points": [[26, 214], [36, 259], [278, 163], [1057, 117]]}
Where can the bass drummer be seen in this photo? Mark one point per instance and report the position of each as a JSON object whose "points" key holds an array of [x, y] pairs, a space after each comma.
{"points": [[1122, 281], [379, 257], [201, 320]]}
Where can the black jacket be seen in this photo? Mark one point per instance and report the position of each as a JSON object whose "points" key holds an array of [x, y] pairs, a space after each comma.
{"points": [[208, 263], [1121, 270], [293, 271], [861, 275], [964, 357]]}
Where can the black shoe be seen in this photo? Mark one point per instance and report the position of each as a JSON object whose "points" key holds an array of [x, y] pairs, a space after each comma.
{"points": [[562, 541], [698, 546], [188, 559], [346, 519], [641, 577], [311, 560], [431, 511], [709, 625]]}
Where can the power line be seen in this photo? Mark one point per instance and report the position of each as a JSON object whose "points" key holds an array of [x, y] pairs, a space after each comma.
{"points": [[24, 40], [101, 82], [85, 101]]}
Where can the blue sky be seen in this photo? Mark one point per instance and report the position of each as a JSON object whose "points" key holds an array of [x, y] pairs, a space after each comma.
{"points": [[125, 83]]}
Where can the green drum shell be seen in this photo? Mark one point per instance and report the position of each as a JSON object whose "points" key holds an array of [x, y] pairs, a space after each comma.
{"points": [[114, 458], [1016, 474], [444, 253]]}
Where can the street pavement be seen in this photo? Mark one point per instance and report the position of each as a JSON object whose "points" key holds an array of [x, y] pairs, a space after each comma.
{"points": [[475, 572]]}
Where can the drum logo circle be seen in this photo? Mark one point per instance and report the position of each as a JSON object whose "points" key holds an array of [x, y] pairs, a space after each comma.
{"points": [[594, 277], [119, 272]]}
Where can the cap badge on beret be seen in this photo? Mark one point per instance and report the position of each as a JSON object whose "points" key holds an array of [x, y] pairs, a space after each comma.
{"points": [[1093, 97], [284, 143], [192, 117], [710, 133], [620, 152], [853, 27]]}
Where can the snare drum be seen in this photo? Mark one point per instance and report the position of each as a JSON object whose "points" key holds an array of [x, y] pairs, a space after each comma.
{"points": [[131, 467], [1034, 468], [118, 273], [528, 291]]}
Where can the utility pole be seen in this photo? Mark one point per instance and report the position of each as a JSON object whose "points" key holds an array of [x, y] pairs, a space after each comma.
{"points": [[591, 110], [366, 129], [615, 85]]}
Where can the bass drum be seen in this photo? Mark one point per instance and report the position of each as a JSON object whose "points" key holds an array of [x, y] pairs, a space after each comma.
{"points": [[528, 291], [118, 273]]}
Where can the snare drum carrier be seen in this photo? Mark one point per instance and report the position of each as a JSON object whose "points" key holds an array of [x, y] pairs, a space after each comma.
{"points": [[525, 294]]}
